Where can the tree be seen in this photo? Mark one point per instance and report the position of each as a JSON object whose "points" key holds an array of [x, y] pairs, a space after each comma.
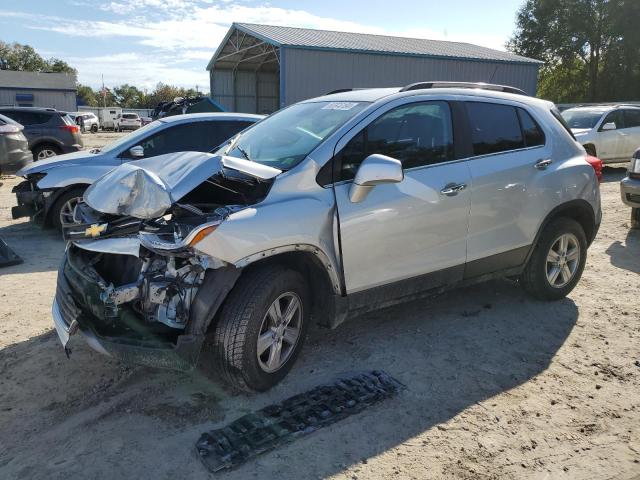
{"points": [[585, 44], [24, 58], [128, 96], [87, 96]]}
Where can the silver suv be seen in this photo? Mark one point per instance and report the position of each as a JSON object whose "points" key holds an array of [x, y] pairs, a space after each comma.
{"points": [[326, 209]]}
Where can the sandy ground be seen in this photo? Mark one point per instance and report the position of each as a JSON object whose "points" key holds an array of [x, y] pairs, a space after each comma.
{"points": [[499, 385]]}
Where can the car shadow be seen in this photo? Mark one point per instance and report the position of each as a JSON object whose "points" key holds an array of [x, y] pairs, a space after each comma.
{"points": [[452, 352], [614, 173], [625, 255]]}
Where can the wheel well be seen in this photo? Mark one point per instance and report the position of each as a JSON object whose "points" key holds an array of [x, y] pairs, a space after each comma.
{"points": [[319, 284], [47, 143], [591, 149], [581, 212], [56, 196]]}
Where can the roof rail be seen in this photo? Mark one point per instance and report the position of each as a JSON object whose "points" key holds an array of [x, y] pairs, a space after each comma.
{"points": [[340, 90], [480, 85]]}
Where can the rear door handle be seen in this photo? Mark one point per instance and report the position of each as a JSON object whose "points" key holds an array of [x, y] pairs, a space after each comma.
{"points": [[451, 189], [543, 164]]}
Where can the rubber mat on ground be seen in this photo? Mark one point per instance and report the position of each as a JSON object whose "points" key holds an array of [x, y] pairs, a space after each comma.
{"points": [[275, 425]]}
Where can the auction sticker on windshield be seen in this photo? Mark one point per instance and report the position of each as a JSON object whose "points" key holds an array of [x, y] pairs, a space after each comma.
{"points": [[339, 106]]}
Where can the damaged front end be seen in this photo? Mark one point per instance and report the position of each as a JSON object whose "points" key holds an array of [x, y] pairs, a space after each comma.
{"points": [[132, 280], [32, 201]]}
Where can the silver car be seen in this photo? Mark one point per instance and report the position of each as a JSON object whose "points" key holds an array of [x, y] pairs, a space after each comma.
{"points": [[324, 210], [53, 187]]}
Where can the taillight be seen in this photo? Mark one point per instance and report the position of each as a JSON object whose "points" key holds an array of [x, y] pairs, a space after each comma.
{"points": [[596, 163], [71, 128]]}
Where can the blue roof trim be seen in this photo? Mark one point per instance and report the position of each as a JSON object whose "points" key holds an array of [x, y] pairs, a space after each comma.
{"points": [[536, 63]]}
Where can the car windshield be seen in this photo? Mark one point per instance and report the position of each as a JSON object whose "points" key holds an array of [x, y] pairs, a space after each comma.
{"points": [[134, 138], [581, 118], [285, 138]]}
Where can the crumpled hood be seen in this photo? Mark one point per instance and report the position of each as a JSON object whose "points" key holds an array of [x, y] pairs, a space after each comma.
{"points": [[147, 188], [81, 157]]}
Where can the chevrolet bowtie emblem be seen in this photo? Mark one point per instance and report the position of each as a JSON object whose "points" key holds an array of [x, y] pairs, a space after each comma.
{"points": [[95, 230]]}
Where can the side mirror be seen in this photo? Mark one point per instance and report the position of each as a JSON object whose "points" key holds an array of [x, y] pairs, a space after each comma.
{"points": [[609, 126], [374, 170], [136, 152]]}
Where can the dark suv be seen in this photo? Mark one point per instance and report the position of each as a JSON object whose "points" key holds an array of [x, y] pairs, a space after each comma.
{"points": [[49, 131]]}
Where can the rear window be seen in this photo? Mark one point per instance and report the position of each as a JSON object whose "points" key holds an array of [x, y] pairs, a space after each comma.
{"points": [[130, 116], [494, 128]]}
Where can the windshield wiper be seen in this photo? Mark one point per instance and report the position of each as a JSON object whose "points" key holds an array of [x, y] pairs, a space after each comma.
{"points": [[243, 152], [95, 150]]}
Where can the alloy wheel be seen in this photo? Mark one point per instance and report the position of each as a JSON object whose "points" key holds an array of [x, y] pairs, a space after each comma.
{"points": [[46, 153], [279, 332], [67, 210], [563, 260]]}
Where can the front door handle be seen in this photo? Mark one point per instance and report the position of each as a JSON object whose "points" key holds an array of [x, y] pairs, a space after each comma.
{"points": [[451, 189], [543, 164]]}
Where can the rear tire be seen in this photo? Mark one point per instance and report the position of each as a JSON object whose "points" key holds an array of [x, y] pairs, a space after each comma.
{"points": [[551, 274], [61, 207], [246, 336], [44, 151], [94, 128]]}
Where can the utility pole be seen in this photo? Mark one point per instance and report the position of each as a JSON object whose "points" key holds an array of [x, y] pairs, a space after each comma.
{"points": [[104, 93]]}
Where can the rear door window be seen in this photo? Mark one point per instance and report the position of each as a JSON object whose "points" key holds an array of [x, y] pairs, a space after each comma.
{"points": [[221, 131], [631, 118], [495, 128], [196, 137]]}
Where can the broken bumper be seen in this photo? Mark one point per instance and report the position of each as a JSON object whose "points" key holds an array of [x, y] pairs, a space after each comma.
{"points": [[72, 315], [630, 191], [31, 202]]}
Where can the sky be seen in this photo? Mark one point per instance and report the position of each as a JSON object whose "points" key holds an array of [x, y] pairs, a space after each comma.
{"points": [[143, 42]]}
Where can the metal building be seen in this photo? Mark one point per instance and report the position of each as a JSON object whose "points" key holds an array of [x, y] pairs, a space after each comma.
{"points": [[38, 89], [261, 68]]}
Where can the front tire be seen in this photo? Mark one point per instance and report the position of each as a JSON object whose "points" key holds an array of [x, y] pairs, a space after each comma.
{"points": [[261, 328], [61, 212], [557, 261]]}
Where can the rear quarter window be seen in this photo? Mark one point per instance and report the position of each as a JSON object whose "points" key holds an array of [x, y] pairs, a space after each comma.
{"points": [[531, 131], [556, 114]]}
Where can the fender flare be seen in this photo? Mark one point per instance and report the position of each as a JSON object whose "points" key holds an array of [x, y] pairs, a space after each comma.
{"points": [[577, 204], [324, 259]]}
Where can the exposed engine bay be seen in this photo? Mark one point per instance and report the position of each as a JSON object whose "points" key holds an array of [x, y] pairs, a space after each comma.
{"points": [[143, 271]]}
